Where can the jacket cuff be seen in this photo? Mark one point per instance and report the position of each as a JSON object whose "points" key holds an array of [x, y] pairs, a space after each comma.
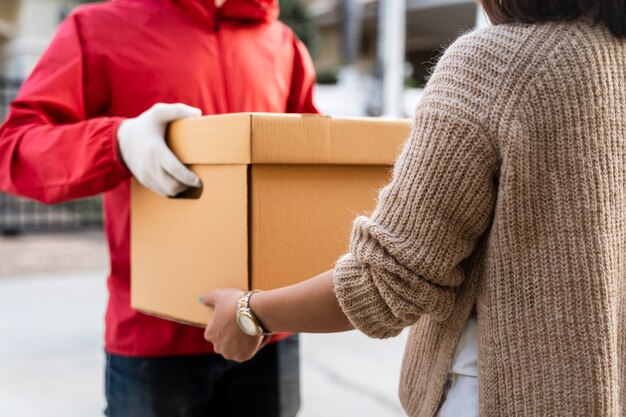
{"points": [[116, 157]]}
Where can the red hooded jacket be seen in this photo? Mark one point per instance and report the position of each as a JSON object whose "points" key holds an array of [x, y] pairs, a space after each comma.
{"points": [[114, 60]]}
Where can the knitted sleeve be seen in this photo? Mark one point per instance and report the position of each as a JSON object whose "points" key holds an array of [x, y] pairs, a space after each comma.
{"points": [[405, 260]]}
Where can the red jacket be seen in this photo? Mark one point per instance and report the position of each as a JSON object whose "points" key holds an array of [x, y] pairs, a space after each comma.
{"points": [[114, 60]]}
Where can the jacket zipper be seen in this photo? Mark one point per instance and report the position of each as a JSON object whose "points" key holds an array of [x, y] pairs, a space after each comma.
{"points": [[220, 48]]}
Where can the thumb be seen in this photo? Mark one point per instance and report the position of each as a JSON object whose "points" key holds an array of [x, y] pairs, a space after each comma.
{"points": [[209, 298], [170, 112], [177, 170]]}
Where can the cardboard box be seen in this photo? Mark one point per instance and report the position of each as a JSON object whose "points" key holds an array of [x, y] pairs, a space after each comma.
{"points": [[279, 196]]}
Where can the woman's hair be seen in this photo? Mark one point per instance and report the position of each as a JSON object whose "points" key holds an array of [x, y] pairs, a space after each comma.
{"points": [[610, 12]]}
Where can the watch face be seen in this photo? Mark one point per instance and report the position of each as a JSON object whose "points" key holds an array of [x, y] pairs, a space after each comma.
{"points": [[247, 324]]}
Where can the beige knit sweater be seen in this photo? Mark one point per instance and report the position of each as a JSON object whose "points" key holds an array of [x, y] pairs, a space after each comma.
{"points": [[509, 195]]}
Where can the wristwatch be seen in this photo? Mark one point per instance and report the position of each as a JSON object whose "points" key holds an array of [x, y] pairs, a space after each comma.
{"points": [[247, 321]]}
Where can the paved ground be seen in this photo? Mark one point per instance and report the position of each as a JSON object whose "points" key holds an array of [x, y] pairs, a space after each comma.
{"points": [[52, 299], [50, 253]]}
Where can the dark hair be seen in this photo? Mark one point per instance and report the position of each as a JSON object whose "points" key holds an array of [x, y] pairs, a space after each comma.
{"points": [[610, 12]]}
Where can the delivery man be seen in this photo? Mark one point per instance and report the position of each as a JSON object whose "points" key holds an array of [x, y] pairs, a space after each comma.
{"points": [[92, 114]]}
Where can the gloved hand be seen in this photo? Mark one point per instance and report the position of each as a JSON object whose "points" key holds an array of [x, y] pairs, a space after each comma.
{"points": [[141, 143]]}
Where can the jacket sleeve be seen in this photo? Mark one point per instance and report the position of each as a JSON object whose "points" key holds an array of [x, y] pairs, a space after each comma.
{"points": [[50, 150], [405, 260], [302, 82]]}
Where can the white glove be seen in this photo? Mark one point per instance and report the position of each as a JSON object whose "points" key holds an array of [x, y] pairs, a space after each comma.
{"points": [[142, 145]]}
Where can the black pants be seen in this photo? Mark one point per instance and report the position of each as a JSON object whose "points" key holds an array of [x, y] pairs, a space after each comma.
{"points": [[206, 386]]}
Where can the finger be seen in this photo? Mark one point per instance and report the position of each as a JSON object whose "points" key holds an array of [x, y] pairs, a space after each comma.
{"points": [[212, 335], [244, 357], [265, 341], [158, 186], [159, 181], [166, 185], [165, 112], [217, 349], [177, 170], [152, 186]]}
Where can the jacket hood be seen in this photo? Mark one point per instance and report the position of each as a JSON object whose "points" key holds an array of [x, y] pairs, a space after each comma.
{"points": [[252, 11]]}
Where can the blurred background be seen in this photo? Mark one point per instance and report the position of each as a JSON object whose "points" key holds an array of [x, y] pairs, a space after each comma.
{"points": [[372, 58]]}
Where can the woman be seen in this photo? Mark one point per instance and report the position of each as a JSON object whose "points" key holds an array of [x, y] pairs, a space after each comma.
{"points": [[510, 198]]}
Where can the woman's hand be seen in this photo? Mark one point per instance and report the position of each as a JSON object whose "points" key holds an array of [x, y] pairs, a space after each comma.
{"points": [[227, 338]]}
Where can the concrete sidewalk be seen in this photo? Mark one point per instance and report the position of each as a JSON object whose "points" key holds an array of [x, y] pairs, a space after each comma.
{"points": [[51, 350]]}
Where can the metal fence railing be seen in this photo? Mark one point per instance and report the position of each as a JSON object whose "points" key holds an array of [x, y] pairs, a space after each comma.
{"points": [[19, 215], [8, 90]]}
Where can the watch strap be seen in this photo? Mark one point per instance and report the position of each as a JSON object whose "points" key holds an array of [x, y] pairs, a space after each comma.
{"points": [[243, 305]]}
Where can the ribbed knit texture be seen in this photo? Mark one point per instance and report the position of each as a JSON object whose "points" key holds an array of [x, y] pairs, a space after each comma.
{"points": [[509, 195]]}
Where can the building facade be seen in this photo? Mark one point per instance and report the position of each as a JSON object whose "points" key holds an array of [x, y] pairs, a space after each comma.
{"points": [[26, 28], [348, 31]]}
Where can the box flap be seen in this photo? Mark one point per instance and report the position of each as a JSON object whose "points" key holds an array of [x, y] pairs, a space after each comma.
{"points": [[270, 138], [299, 139], [314, 139]]}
